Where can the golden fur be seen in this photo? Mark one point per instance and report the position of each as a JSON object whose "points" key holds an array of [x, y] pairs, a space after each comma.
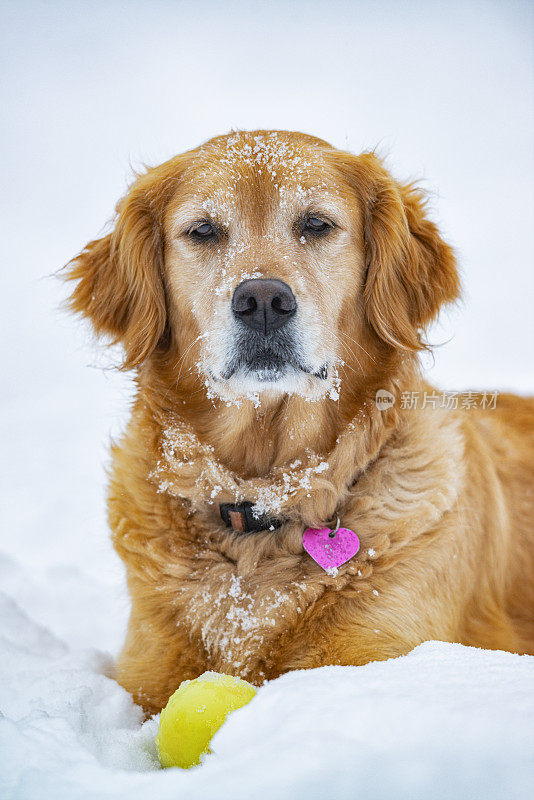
{"points": [[441, 498]]}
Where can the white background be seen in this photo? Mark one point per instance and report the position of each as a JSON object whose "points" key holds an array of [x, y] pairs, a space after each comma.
{"points": [[445, 90]]}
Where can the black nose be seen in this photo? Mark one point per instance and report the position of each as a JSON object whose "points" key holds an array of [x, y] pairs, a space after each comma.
{"points": [[264, 304]]}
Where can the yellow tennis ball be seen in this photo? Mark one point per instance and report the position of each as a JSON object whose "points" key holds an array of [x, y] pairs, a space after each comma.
{"points": [[193, 715]]}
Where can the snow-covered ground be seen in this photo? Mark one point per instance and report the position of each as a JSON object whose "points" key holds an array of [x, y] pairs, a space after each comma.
{"points": [[445, 721], [446, 91]]}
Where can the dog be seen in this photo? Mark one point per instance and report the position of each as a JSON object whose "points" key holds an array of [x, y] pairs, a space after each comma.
{"points": [[272, 293]]}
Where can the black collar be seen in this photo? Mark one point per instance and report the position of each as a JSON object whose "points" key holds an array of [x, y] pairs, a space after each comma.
{"points": [[240, 518]]}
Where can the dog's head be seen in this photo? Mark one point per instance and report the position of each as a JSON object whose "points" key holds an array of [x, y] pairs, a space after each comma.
{"points": [[263, 261]]}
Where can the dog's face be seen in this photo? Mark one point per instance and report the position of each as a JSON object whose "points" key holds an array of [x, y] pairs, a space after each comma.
{"points": [[264, 262], [263, 250]]}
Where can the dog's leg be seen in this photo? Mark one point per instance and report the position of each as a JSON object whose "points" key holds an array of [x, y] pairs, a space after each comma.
{"points": [[154, 660]]}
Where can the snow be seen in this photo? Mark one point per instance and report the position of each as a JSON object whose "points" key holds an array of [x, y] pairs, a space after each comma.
{"points": [[445, 91], [444, 721]]}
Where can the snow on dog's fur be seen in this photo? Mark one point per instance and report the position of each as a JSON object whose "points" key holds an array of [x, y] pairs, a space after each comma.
{"points": [[441, 498]]}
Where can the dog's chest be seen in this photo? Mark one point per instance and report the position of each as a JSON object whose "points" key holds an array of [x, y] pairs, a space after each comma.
{"points": [[238, 621]]}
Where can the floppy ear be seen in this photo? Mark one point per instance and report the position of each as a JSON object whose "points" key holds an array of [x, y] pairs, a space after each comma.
{"points": [[120, 277], [410, 270]]}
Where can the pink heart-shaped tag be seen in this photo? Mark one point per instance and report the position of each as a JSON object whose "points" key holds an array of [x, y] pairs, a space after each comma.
{"points": [[330, 551]]}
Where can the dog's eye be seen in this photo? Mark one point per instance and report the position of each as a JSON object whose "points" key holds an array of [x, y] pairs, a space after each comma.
{"points": [[203, 231], [316, 225]]}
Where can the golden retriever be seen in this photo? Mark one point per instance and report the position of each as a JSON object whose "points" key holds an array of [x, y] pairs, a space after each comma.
{"points": [[271, 293]]}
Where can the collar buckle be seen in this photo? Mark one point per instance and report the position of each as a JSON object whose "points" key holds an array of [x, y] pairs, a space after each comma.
{"points": [[240, 518]]}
